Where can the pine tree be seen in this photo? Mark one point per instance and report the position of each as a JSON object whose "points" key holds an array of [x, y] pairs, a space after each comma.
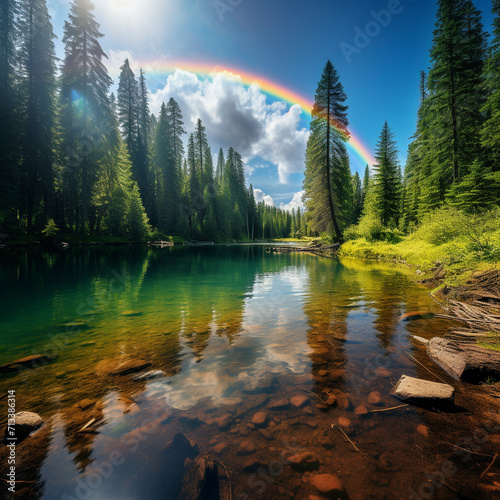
{"points": [[176, 127], [128, 107], [9, 125], [387, 181], [357, 198], [220, 166], [490, 133], [456, 91], [200, 151], [37, 58], [85, 108], [143, 170], [326, 148], [478, 191]]}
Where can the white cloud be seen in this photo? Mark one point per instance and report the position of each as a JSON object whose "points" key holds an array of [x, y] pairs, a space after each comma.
{"points": [[261, 196], [295, 203], [115, 61], [237, 116]]}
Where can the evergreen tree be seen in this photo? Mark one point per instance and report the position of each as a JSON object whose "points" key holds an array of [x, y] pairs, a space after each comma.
{"points": [[326, 150], [143, 171], [128, 107], [490, 133], [220, 166], [200, 151], [479, 190], [37, 58], [85, 109], [456, 91], [168, 182], [9, 126], [387, 179], [176, 127], [357, 198]]}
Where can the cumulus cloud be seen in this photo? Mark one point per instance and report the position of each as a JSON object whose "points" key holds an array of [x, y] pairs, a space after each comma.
{"points": [[261, 196], [237, 116], [295, 203]]}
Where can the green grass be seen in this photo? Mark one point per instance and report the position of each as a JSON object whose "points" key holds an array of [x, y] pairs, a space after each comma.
{"points": [[462, 243], [491, 347], [305, 240]]}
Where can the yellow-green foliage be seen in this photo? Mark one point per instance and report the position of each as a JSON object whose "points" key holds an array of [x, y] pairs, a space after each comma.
{"points": [[461, 242]]}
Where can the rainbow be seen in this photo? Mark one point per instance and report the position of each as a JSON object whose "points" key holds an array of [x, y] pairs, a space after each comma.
{"points": [[267, 86]]}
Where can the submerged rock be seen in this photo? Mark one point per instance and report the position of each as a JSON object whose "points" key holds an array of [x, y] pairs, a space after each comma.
{"points": [[374, 398], [266, 434], [332, 400], [26, 422], [202, 481], [282, 404], [246, 448], [423, 430], [383, 372], [329, 486], [131, 314], [224, 422], [299, 401], [34, 361], [413, 315], [85, 404], [362, 412], [260, 419], [220, 447], [343, 402], [415, 390], [251, 465], [122, 367], [346, 425], [302, 462]]}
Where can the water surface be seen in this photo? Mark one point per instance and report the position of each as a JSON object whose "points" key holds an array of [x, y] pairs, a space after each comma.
{"points": [[234, 330]]}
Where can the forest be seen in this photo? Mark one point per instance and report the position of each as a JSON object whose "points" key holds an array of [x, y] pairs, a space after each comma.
{"points": [[79, 160], [453, 162]]}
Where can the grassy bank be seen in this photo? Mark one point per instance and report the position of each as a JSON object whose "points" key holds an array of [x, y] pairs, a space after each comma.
{"points": [[450, 242]]}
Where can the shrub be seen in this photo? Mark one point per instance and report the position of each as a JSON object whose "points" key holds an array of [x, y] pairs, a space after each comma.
{"points": [[50, 230]]}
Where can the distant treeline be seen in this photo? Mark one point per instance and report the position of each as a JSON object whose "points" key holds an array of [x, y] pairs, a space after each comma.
{"points": [[454, 158], [75, 159]]}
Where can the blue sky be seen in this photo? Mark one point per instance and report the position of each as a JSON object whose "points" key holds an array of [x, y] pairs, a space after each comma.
{"points": [[285, 41]]}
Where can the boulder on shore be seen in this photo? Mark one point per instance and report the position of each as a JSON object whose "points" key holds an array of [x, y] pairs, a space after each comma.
{"points": [[423, 392], [26, 422], [464, 361]]}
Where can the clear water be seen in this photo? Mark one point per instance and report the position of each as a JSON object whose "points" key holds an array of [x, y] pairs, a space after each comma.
{"points": [[234, 329]]}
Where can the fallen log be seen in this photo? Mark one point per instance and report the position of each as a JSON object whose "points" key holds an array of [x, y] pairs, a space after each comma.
{"points": [[464, 360]]}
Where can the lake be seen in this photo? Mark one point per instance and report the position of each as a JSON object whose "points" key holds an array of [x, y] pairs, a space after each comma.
{"points": [[241, 351]]}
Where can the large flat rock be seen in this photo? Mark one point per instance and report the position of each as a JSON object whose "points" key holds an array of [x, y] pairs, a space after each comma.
{"points": [[464, 361], [419, 391]]}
